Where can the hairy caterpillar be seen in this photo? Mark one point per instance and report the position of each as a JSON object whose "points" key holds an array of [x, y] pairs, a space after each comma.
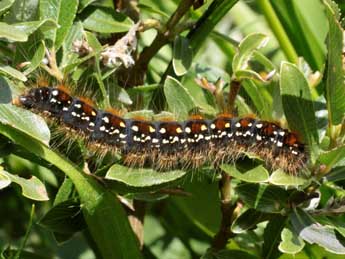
{"points": [[166, 145]]}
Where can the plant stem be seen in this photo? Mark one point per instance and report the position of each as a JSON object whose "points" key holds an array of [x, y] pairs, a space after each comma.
{"points": [[136, 219], [234, 89], [224, 234], [278, 30]]}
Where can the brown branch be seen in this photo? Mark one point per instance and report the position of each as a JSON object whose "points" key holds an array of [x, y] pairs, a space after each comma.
{"points": [[234, 89], [224, 234], [137, 73]]}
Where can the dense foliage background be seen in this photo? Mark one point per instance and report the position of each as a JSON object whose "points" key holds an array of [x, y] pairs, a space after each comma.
{"points": [[281, 60]]}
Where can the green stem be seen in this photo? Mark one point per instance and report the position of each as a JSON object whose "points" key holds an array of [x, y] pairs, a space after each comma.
{"points": [[278, 30]]}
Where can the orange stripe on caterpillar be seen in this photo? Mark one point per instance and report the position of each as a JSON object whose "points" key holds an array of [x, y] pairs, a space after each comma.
{"points": [[170, 144]]}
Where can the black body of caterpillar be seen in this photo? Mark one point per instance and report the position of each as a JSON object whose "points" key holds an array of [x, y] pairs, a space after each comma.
{"points": [[170, 144]]}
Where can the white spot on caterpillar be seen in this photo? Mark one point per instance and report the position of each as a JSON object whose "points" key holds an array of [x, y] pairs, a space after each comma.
{"points": [[175, 139], [207, 137], [227, 125], [162, 131], [155, 140], [230, 135], [258, 138], [135, 128], [213, 126], [178, 130], [93, 113], [165, 141], [259, 125], [91, 124], [203, 127], [55, 92], [136, 139], [65, 109], [281, 133], [187, 130], [279, 144], [53, 100], [151, 129], [250, 124], [294, 152], [123, 136], [183, 141], [102, 128], [238, 125], [105, 119], [122, 125], [74, 114], [77, 105], [238, 133]]}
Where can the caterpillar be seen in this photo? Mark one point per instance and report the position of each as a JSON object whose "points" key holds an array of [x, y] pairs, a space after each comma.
{"points": [[167, 144]]}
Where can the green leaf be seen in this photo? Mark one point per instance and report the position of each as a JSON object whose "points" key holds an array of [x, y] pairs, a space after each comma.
{"points": [[12, 72], [248, 220], [5, 4], [75, 33], [142, 177], [182, 56], [272, 237], [279, 177], [222, 254], [111, 21], [84, 3], [332, 157], [260, 97], [247, 46], [22, 11], [202, 206], [66, 218], [32, 188], [337, 174], [30, 27], [335, 83], [36, 59], [99, 205], [25, 121], [315, 233], [297, 102], [11, 33], [179, 100], [256, 175], [63, 13], [306, 25], [263, 197], [290, 243], [4, 179]]}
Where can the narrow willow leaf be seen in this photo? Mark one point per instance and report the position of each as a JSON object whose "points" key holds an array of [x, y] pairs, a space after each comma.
{"points": [[256, 175], [25, 121], [63, 13], [11, 33], [290, 243], [111, 21], [12, 72], [246, 48], [315, 233], [178, 98], [249, 74], [248, 220], [32, 188], [182, 56], [297, 102], [279, 177], [142, 177], [335, 83]]}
